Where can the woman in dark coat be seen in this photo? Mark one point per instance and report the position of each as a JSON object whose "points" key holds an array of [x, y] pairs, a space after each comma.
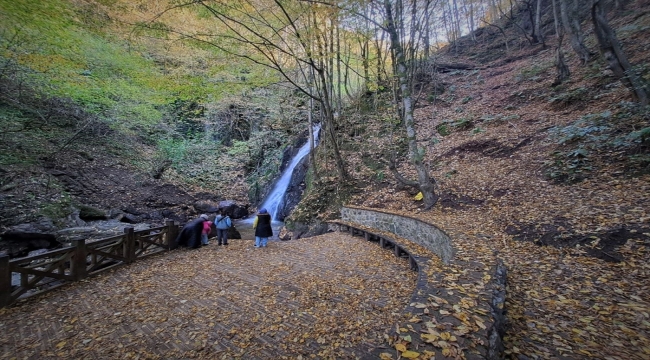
{"points": [[190, 236], [262, 226]]}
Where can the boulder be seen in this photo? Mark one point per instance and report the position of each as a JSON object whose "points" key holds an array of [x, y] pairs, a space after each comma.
{"points": [[233, 233], [234, 210], [19, 244], [89, 213], [284, 234], [130, 219], [302, 231], [41, 225], [206, 206]]}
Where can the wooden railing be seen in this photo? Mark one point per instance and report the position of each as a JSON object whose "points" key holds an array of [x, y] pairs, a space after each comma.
{"points": [[50, 270], [384, 241]]}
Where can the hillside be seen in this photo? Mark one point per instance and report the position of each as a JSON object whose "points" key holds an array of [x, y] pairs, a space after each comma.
{"points": [[552, 180]]}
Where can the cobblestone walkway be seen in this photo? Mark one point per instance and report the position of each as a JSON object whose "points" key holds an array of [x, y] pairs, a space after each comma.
{"points": [[331, 296]]}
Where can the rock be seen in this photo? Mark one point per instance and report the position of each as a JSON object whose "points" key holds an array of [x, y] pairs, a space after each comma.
{"points": [[233, 233], [284, 234], [42, 225], [295, 189], [132, 210], [76, 233], [74, 219], [130, 219], [89, 213], [233, 210], [18, 244], [302, 231], [206, 206]]}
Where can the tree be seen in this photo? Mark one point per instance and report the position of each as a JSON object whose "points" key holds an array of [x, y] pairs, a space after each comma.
{"points": [[400, 45], [292, 38], [562, 69], [571, 22], [611, 50]]}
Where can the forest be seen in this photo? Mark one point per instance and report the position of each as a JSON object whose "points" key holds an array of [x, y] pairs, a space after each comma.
{"points": [[519, 127]]}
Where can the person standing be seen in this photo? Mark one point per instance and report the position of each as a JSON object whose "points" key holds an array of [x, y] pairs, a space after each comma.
{"points": [[223, 223], [207, 227], [262, 226]]}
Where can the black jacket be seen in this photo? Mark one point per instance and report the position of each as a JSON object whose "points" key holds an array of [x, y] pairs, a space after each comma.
{"points": [[263, 228], [190, 236]]}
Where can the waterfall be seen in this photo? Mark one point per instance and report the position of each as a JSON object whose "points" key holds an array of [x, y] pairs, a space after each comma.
{"points": [[274, 200]]}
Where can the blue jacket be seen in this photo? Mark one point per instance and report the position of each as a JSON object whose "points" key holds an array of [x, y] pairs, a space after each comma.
{"points": [[222, 222]]}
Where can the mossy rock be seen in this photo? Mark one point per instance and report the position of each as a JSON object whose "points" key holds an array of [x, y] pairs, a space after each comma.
{"points": [[87, 213]]}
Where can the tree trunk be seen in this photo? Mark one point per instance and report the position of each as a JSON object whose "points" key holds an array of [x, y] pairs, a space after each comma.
{"points": [[613, 53], [562, 69], [572, 26], [416, 155], [538, 23]]}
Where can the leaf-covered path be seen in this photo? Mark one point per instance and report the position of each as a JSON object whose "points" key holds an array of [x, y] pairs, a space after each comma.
{"points": [[332, 296]]}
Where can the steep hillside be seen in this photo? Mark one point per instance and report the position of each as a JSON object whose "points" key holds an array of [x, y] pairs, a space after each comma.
{"points": [[97, 111], [519, 164]]}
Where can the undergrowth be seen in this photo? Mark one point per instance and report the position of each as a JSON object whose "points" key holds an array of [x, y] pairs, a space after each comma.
{"points": [[621, 137]]}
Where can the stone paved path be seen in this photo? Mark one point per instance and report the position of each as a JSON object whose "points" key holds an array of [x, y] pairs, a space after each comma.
{"points": [[331, 296]]}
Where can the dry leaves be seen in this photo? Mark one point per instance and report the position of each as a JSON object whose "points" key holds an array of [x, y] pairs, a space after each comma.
{"points": [[332, 296]]}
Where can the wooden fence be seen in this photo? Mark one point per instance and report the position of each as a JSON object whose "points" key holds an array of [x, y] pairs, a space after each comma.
{"points": [[50, 270]]}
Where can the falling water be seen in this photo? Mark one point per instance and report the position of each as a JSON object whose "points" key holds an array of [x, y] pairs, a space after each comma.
{"points": [[274, 201]]}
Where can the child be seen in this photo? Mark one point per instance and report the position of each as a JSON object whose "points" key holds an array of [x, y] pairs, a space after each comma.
{"points": [[206, 230]]}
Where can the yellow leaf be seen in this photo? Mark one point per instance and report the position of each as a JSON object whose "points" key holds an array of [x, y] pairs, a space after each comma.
{"points": [[410, 354], [429, 337], [400, 347], [403, 330], [385, 356], [60, 345], [419, 196], [446, 352]]}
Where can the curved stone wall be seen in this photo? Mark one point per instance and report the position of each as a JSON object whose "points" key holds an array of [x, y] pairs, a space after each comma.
{"points": [[413, 229]]}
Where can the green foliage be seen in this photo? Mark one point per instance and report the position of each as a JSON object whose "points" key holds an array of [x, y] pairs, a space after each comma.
{"points": [[604, 133], [58, 208], [568, 166], [477, 130], [89, 212], [174, 149], [449, 126], [566, 98], [590, 127], [533, 73]]}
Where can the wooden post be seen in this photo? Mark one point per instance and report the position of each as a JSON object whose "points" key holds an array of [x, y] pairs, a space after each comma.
{"points": [[171, 234], [351, 230], [78, 261], [367, 235], [397, 250], [413, 263], [129, 245], [5, 281], [382, 242]]}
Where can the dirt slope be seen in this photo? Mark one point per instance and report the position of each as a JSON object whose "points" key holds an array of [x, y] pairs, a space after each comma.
{"points": [[506, 173]]}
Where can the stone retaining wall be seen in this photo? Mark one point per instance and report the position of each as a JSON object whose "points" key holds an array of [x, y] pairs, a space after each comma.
{"points": [[418, 231]]}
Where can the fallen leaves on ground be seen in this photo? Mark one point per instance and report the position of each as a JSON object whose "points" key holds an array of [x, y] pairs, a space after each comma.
{"points": [[331, 296]]}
